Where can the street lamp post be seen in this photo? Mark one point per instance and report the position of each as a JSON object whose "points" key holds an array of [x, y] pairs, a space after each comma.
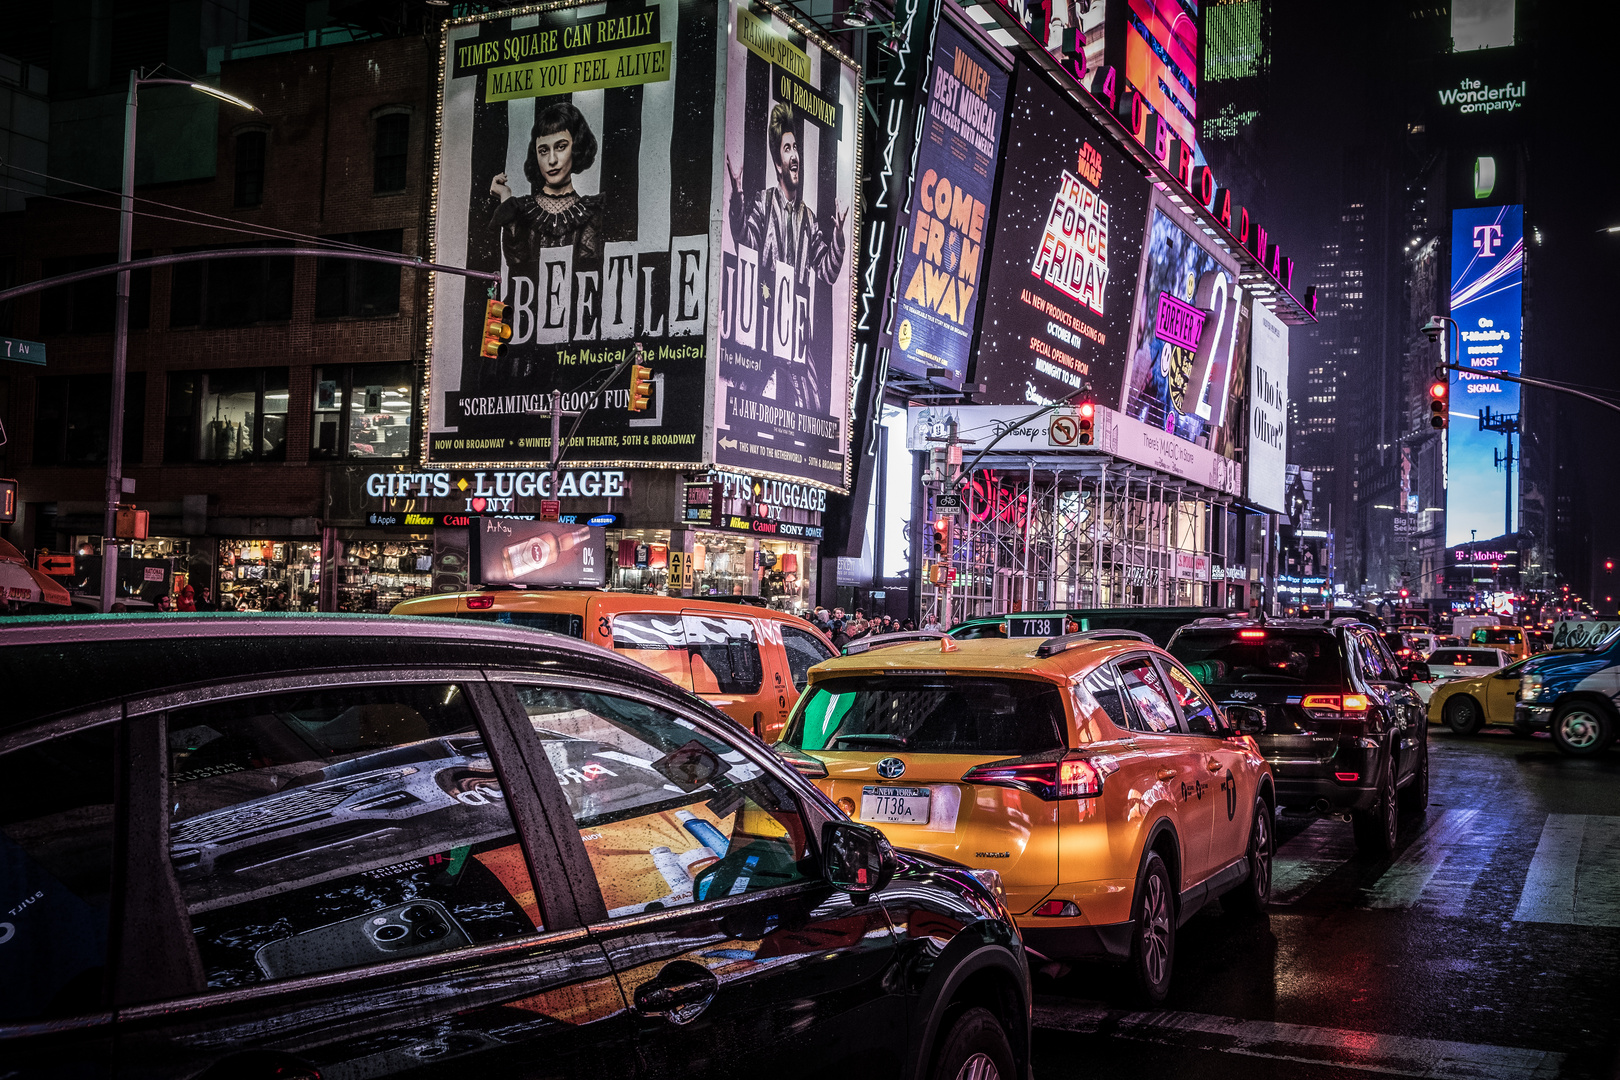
{"points": [[126, 237]]}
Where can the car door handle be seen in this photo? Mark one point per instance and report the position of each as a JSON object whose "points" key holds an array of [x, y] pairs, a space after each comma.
{"points": [[680, 991], [1167, 774], [1213, 764]]}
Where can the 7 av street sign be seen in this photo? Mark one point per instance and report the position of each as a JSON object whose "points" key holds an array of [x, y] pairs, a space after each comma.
{"points": [[27, 352]]}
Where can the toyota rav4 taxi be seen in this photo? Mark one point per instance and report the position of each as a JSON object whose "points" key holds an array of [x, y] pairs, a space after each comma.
{"points": [[1107, 788]]}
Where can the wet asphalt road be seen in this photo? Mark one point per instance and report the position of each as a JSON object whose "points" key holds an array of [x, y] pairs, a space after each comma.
{"points": [[1488, 946]]}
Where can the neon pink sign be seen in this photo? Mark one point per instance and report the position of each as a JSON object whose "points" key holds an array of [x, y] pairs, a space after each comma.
{"points": [[1178, 322]]}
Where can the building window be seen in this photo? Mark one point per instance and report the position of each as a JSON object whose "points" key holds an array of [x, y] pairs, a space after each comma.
{"points": [[238, 415], [250, 168], [231, 292], [88, 306], [362, 411], [388, 163], [348, 287], [70, 418]]}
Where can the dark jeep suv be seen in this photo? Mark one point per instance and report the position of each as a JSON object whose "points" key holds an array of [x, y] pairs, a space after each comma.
{"points": [[1344, 731], [307, 846]]}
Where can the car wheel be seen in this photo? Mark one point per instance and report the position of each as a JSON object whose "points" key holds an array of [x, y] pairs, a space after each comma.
{"points": [[1580, 728], [976, 1048], [1375, 829], [1415, 797], [1250, 897], [1463, 715], [1153, 939]]}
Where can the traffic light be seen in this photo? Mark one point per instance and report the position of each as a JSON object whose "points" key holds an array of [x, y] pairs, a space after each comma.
{"points": [[496, 332], [640, 387], [1439, 404], [942, 537], [1087, 415]]}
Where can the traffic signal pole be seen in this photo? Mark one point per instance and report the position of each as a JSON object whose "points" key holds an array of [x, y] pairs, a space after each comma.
{"points": [[120, 359]]}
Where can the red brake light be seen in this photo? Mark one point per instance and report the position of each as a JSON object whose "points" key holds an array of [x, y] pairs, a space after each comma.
{"points": [[1058, 909], [1334, 703], [480, 603], [1251, 635], [1050, 776]]}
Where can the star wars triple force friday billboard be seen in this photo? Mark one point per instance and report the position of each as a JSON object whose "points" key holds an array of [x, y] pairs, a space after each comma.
{"points": [[580, 157]]}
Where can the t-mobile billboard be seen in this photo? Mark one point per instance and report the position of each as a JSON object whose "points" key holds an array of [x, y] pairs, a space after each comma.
{"points": [[1487, 285]]}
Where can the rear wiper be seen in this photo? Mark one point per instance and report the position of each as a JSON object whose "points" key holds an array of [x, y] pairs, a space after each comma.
{"points": [[898, 740]]}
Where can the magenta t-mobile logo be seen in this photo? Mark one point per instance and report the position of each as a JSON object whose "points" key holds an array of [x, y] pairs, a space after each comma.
{"points": [[1487, 238]]}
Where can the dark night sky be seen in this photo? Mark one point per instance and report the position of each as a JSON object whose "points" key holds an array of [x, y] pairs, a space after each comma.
{"points": [[1332, 82]]}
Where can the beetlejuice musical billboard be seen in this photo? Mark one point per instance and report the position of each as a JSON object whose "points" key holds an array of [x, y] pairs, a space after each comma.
{"points": [[676, 177]]}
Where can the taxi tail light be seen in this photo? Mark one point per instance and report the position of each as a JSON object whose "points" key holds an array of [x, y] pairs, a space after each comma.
{"points": [[811, 768], [1056, 775], [480, 603], [1334, 703]]}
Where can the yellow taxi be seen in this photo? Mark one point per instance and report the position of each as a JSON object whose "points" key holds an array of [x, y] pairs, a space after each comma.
{"points": [[749, 662], [1468, 704], [1091, 770]]}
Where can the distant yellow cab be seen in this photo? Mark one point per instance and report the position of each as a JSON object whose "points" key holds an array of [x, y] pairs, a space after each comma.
{"points": [[1090, 770], [1466, 705]]}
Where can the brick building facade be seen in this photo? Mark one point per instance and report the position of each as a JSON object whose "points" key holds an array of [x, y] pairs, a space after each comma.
{"points": [[254, 384]]}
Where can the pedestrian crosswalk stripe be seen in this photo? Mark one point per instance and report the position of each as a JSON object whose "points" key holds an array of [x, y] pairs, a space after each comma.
{"points": [[1409, 875], [1575, 875], [1388, 1055]]}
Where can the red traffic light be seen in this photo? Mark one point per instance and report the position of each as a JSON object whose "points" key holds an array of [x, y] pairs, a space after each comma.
{"points": [[1439, 405], [1086, 413], [1438, 390], [1087, 410]]}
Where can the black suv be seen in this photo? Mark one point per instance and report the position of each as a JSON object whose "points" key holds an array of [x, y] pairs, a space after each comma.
{"points": [[1344, 730], [347, 846]]}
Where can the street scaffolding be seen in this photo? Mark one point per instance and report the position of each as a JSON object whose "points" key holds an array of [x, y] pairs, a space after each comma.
{"points": [[1041, 533]]}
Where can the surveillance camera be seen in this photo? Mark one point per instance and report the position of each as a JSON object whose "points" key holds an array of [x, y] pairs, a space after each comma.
{"points": [[1434, 328]]}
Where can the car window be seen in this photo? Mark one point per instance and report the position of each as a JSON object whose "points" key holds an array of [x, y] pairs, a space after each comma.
{"points": [[56, 844], [804, 651], [1261, 655], [1196, 709], [557, 622], [1375, 661], [332, 829], [1104, 688], [656, 641], [669, 815], [928, 713], [1464, 658], [724, 654], [1151, 710]]}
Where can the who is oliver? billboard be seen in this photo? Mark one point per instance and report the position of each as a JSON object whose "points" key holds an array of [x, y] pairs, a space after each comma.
{"points": [[581, 155]]}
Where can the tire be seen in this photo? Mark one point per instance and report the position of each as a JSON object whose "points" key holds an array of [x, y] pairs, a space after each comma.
{"points": [[1376, 829], [975, 1048], [1463, 715], [1250, 898], [1582, 728], [1153, 935], [1414, 797]]}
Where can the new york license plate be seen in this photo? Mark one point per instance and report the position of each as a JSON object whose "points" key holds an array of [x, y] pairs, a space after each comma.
{"points": [[895, 805]]}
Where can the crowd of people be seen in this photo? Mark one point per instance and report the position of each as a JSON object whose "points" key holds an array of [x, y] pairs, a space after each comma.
{"points": [[843, 629]]}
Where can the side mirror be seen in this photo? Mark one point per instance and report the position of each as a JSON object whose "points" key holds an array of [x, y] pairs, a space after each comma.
{"points": [[858, 859], [1417, 671], [1246, 719]]}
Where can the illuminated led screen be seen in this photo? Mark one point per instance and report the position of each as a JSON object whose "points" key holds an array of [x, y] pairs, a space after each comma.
{"points": [[1487, 285]]}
